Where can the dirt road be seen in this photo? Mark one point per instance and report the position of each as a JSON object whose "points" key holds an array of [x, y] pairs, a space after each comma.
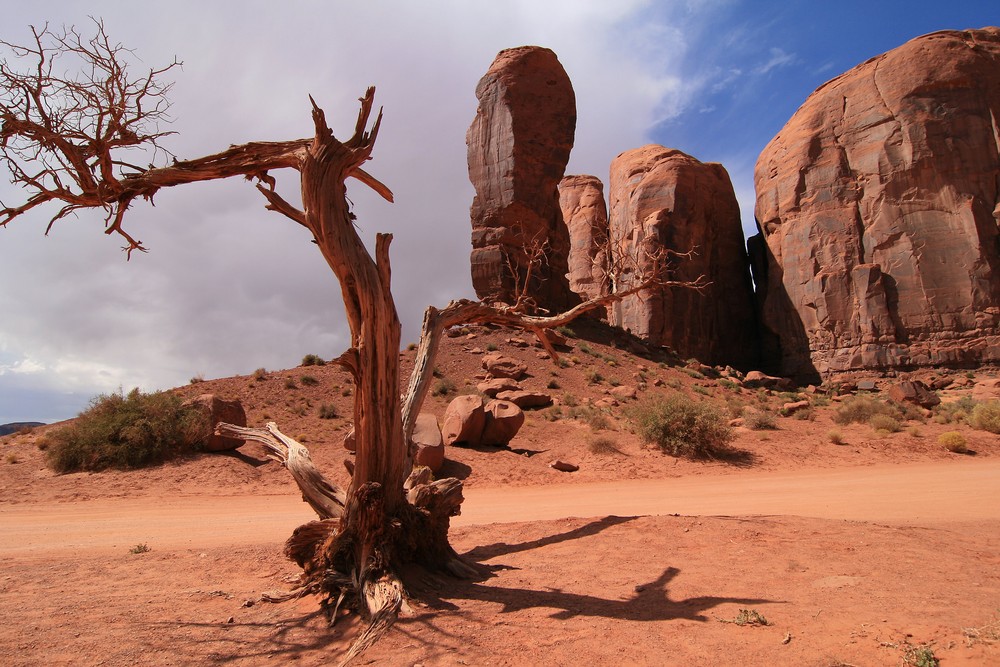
{"points": [[924, 493]]}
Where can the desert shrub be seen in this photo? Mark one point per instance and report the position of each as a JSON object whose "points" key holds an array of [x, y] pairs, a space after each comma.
{"points": [[308, 381], [260, 374], [312, 360], [443, 387], [986, 416], [690, 372], [885, 423], [566, 331], [759, 420], [804, 415], [954, 412], [141, 548], [585, 348], [12, 458], [598, 422], [553, 384], [290, 383], [593, 377], [328, 411], [681, 426], [728, 385], [491, 347], [914, 431], [346, 391], [570, 400], [698, 389], [126, 431], [735, 407], [602, 444], [861, 409], [552, 414], [835, 436], [197, 379], [953, 441]]}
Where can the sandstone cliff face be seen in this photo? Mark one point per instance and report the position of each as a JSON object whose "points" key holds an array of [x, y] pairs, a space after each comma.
{"points": [[518, 147], [581, 199], [663, 198], [879, 204]]}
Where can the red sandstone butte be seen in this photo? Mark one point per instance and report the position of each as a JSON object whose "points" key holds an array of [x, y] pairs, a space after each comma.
{"points": [[518, 147], [662, 198], [585, 212], [879, 203]]}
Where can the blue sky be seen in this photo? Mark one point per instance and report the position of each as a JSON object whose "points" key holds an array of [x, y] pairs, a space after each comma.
{"points": [[229, 287]]}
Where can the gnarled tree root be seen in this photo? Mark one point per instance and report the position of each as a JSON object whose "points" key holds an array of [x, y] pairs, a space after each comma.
{"points": [[351, 554]]}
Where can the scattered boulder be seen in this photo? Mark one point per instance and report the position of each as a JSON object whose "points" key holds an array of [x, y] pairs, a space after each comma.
{"points": [[428, 442], [215, 410], [867, 385], [525, 399], [563, 466], [877, 205], [759, 380], [493, 387], [503, 420], [350, 443], [464, 420], [914, 392], [500, 366], [518, 147], [793, 407], [624, 393]]}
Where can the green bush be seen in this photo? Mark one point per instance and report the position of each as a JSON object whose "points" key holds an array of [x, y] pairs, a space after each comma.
{"points": [[327, 411], [126, 431], [986, 416], [308, 381], [681, 426], [312, 360]]}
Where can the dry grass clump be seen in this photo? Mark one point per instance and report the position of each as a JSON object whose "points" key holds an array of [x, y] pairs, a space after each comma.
{"points": [[835, 436], [953, 441], [986, 416], [759, 420], [861, 409], [603, 445], [681, 426], [885, 424], [126, 431]]}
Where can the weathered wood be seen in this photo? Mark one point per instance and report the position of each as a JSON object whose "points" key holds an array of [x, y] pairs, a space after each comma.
{"points": [[325, 497]]}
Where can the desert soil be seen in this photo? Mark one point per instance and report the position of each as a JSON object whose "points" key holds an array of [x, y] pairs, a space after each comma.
{"points": [[856, 554]]}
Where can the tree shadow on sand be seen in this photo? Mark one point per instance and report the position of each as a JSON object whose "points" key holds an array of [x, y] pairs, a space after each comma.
{"points": [[650, 601]]}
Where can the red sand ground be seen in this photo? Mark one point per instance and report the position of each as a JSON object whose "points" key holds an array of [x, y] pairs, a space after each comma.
{"points": [[854, 553]]}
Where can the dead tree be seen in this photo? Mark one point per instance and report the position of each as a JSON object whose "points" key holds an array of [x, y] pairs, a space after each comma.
{"points": [[63, 140]]}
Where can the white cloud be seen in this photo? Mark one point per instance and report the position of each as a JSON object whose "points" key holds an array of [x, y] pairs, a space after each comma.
{"points": [[229, 287], [779, 58]]}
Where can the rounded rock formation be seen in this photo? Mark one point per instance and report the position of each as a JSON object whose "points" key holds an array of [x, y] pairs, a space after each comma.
{"points": [[879, 202]]}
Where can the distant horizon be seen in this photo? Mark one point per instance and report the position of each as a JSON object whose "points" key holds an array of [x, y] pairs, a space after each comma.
{"points": [[228, 287]]}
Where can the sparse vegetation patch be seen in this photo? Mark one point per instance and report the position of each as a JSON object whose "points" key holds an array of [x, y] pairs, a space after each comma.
{"points": [[681, 426], [126, 431]]}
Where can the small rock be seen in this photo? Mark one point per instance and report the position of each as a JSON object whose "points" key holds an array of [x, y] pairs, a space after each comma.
{"points": [[914, 392], [493, 387], [500, 366], [563, 466], [525, 399], [230, 620], [867, 385], [623, 393], [792, 408]]}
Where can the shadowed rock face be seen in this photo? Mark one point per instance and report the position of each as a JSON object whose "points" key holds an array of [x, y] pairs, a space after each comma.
{"points": [[518, 147], [663, 198], [581, 199], [878, 202]]}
